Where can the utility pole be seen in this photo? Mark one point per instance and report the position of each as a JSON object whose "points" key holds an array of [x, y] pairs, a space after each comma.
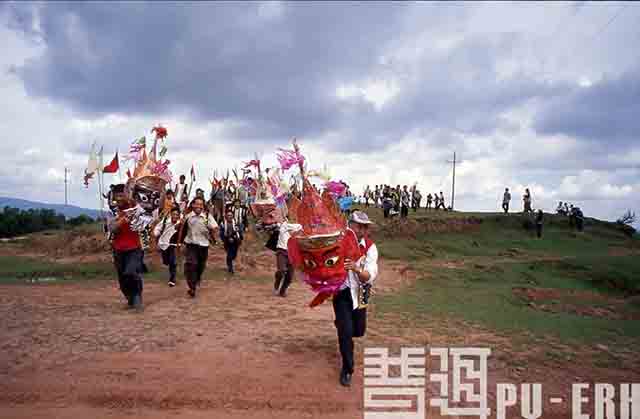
{"points": [[453, 183], [66, 199]]}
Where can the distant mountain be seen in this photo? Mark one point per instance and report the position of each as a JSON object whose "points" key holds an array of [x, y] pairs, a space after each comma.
{"points": [[68, 211]]}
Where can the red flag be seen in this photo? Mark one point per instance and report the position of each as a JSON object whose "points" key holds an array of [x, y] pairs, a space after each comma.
{"points": [[113, 166]]}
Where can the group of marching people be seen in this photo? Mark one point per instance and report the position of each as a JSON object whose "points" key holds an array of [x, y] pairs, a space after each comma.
{"points": [[191, 227], [328, 246]]}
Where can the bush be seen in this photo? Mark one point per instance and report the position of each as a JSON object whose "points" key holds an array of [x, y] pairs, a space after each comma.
{"points": [[15, 222], [625, 223], [79, 220]]}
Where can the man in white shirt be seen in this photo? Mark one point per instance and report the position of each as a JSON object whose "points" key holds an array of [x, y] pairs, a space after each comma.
{"points": [[506, 199], [181, 193], [284, 272], [350, 310], [231, 237], [198, 231], [166, 231], [240, 215]]}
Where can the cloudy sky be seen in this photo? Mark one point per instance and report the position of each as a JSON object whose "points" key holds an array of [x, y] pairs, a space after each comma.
{"points": [[539, 95]]}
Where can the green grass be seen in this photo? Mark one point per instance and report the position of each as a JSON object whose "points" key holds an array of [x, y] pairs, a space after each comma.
{"points": [[500, 255], [17, 268], [484, 296]]}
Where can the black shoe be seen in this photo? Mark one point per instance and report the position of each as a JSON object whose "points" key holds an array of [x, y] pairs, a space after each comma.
{"points": [[345, 378], [192, 293], [172, 283]]}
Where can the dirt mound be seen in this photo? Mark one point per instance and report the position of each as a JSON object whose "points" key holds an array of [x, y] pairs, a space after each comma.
{"points": [[72, 243], [582, 303], [414, 227]]}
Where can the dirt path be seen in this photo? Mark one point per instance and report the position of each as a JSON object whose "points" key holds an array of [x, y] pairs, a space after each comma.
{"points": [[73, 350]]}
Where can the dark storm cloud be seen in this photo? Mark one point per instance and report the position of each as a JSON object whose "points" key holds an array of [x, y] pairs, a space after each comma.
{"points": [[270, 72], [606, 112], [212, 60]]}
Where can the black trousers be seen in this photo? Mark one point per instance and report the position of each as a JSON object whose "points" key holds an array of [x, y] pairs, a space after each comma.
{"points": [[386, 208], [404, 211], [232, 253], [129, 268], [505, 207], [539, 230], [195, 260], [350, 323], [169, 259], [284, 272]]}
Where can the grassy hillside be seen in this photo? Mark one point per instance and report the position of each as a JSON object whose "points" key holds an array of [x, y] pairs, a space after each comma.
{"points": [[493, 273]]}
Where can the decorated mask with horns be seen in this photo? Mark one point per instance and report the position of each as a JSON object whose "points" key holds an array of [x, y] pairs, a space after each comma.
{"points": [[320, 249], [147, 185]]}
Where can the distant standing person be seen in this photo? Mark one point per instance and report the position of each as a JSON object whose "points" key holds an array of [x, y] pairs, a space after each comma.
{"points": [[405, 202], [441, 201], [539, 216], [181, 193], [416, 197], [579, 218], [429, 200], [506, 198], [387, 202], [527, 200], [367, 196]]}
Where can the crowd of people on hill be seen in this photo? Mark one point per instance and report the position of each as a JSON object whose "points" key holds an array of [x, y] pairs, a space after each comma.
{"points": [[399, 200], [574, 213]]}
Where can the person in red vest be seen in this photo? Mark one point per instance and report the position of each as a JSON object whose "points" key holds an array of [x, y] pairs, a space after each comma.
{"points": [[127, 250], [349, 305]]}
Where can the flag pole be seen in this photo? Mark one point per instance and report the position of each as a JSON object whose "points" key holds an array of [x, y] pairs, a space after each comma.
{"points": [[119, 168]]}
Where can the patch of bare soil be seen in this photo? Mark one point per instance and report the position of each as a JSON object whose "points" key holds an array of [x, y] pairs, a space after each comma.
{"points": [[580, 302], [74, 350]]}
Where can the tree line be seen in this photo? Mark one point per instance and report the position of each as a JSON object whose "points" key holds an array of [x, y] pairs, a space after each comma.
{"points": [[16, 222]]}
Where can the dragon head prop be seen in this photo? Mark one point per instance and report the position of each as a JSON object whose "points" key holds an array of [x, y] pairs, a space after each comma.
{"points": [[320, 249]]}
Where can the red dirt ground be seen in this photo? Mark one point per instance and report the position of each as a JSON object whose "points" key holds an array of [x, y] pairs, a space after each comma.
{"points": [[72, 350]]}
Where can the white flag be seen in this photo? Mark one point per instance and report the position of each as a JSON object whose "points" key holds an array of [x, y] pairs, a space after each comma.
{"points": [[92, 165]]}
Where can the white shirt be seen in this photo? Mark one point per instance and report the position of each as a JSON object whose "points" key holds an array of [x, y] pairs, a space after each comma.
{"points": [[198, 233], [369, 263], [170, 229], [285, 233], [238, 215], [180, 189]]}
